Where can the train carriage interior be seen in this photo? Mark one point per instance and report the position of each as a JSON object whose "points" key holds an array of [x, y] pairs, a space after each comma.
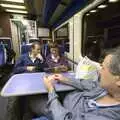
{"points": [[79, 27]]}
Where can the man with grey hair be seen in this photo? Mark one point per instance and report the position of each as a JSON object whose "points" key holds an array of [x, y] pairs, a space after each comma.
{"points": [[90, 101]]}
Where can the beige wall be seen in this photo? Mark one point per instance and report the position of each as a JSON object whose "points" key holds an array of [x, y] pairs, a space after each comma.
{"points": [[15, 38], [5, 25]]}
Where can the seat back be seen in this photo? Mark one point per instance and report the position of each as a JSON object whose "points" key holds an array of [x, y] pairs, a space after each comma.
{"points": [[2, 55], [25, 48]]}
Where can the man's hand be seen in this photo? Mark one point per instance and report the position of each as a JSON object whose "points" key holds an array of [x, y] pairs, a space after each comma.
{"points": [[39, 56], [30, 68], [48, 81], [60, 78]]}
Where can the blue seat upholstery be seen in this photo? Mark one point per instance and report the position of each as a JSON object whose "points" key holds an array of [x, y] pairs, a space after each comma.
{"points": [[7, 42], [25, 48], [2, 55], [41, 118], [46, 50]]}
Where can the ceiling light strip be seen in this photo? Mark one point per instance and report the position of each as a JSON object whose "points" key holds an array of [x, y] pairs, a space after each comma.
{"points": [[17, 1], [13, 6], [16, 11]]}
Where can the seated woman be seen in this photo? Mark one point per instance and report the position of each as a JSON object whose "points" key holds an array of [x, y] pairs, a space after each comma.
{"points": [[56, 62], [31, 61]]}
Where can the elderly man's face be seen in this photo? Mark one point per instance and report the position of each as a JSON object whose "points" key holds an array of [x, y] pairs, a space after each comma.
{"points": [[107, 78], [36, 49]]}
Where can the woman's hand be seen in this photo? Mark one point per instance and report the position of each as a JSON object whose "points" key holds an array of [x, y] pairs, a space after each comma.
{"points": [[60, 68], [63, 68]]}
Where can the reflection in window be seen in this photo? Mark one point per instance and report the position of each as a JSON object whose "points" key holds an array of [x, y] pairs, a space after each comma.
{"points": [[101, 30], [62, 38]]}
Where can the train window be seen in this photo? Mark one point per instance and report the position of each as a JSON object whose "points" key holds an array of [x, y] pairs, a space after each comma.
{"points": [[62, 37], [28, 30], [31, 40], [101, 27]]}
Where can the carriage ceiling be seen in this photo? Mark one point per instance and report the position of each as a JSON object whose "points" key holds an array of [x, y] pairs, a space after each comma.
{"points": [[47, 13]]}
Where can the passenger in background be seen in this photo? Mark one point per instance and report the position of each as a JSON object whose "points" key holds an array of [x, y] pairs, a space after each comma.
{"points": [[55, 61], [31, 61]]}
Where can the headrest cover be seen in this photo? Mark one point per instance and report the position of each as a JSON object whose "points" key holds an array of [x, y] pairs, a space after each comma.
{"points": [[87, 70]]}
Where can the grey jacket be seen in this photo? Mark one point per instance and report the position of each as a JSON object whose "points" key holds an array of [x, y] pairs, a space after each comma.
{"points": [[75, 106]]}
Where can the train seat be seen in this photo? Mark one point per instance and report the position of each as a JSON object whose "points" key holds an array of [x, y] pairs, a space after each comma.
{"points": [[25, 48], [2, 55]]}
